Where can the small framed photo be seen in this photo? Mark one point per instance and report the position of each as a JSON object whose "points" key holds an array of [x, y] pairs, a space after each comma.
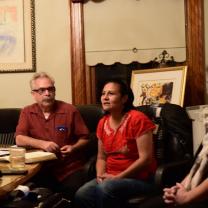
{"points": [[163, 85], [17, 36]]}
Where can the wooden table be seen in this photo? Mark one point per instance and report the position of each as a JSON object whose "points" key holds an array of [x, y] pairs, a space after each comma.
{"points": [[9, 182]]}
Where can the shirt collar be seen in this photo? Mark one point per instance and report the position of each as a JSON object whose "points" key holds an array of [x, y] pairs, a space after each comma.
{"points": [[56, 108]]}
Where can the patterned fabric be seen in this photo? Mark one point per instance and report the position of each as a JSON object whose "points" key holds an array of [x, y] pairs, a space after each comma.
{"points": [[120, 145]]}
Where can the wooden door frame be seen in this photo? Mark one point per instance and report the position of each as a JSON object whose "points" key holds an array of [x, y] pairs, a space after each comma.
{"points": [[195, 53]]}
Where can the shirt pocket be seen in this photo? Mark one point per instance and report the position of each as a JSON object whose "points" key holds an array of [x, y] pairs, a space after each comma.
{"points": [[61, 132]]}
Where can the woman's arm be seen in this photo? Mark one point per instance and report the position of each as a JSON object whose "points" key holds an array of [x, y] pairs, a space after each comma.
{"points": [[145, 150], [198, 193], [101, 161], [170, 193]]}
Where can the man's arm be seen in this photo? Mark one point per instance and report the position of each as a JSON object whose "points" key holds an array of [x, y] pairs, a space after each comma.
{"points": [[81, 143], [26, 141], [66, 150], [81, 132], [22, 138]]}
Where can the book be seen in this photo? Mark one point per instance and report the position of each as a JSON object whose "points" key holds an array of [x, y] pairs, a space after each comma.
{"points": [[10, 171], [4, 152], [34, 157]]}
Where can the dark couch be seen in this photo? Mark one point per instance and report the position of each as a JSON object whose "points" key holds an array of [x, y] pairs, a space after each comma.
{"points": [[173, 145], [8, 122]]}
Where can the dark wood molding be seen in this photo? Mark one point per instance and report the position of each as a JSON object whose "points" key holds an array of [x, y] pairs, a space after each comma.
{"points": [[91, 82], [195, 89], [77, 1], [195, 52], [78, 71]]}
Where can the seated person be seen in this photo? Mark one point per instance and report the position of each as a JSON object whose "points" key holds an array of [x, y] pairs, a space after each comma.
{"points": [[53, 126], [125, 163], [180, 197], [192, 192]]}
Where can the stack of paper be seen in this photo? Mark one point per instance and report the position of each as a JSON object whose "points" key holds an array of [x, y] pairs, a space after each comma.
{"points": [[35, 156]]}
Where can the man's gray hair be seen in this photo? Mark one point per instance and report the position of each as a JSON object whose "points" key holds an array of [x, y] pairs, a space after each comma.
{"points": [[40, 75]]}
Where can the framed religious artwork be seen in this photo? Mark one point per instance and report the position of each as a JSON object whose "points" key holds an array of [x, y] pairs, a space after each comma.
{"points": [[17, 36], [161, 85]]}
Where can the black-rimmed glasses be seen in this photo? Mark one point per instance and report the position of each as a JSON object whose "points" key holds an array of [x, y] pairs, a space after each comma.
{"points": [[43, 90]]}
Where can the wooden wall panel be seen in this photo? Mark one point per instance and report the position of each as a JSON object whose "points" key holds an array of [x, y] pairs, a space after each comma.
{"points": [[195, 53], [78, 73]]}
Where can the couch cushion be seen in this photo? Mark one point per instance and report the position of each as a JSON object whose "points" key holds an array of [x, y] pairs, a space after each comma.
{"points": [[8, 122]]}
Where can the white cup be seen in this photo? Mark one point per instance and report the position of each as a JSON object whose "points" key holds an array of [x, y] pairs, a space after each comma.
{"points": [[17, 157]]}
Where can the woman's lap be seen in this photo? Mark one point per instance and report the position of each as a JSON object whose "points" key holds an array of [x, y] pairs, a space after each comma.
{"points": [[124, 187], [112, 191]]}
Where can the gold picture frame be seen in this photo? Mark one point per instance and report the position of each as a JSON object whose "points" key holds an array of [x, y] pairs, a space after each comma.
{"points": [[154, 86], [17, 36]]}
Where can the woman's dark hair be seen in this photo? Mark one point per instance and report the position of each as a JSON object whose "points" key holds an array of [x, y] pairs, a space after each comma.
{"points": [[124, 90]]}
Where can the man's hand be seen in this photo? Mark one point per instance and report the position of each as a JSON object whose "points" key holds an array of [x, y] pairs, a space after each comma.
{"points": [[50, 146], [66, 150]]}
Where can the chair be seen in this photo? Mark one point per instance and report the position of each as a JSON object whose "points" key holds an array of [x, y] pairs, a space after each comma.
{"points": [[173, 141], [91, 115], [173, 146], [8, 122]]}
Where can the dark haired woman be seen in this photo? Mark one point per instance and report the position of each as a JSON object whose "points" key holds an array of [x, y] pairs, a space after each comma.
{"points": [[125, 163]]}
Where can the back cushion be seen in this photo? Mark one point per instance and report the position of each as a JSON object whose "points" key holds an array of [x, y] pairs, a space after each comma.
{"points": [[173, 138], [91, 115], [8, 121]]}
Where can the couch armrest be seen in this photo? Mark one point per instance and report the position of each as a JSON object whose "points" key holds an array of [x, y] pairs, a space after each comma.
{"points": [[90, 168], [168, 174]]}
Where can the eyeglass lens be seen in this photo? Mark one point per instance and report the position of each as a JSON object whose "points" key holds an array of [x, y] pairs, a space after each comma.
{"points": [[42, 90]]}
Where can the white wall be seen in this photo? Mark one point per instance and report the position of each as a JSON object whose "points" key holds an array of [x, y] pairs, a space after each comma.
{"points": [[52, 55], [197, 114], [114, 27], [53, 50]]}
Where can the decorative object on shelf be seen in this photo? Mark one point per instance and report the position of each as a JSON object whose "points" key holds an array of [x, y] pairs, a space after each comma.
{"points": [[165, 60], [17, 36], [154, 86], [85, 1]]}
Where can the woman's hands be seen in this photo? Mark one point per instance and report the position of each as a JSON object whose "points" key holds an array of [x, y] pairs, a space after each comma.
{"points": [[106, 176], [176, 194]]}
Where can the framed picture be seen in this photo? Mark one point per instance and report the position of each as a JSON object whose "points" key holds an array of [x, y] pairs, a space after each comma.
{"points": [[17, 36], [154, 86]]}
